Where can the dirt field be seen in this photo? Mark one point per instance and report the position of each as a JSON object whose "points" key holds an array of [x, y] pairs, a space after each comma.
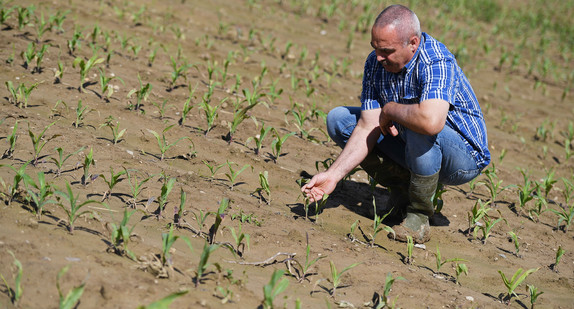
{"points": [[294, 59]]}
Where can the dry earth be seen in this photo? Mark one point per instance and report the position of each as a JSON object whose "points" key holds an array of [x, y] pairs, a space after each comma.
{"points": [[202, 33]]}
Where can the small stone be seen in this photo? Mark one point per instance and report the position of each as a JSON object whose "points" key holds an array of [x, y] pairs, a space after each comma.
{"points": [[470, 298]]}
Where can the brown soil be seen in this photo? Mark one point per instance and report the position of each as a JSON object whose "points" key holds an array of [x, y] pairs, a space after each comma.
{"points": [[209, 31]]}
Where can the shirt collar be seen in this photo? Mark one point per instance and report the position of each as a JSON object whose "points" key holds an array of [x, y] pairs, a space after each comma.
{"points": [[411, 64]]}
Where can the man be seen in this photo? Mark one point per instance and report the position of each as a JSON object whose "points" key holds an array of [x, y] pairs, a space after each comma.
{"points": [[419, 123]]}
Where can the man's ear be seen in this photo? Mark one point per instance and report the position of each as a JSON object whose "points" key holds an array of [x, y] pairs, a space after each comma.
{"points": [[414, 43]]}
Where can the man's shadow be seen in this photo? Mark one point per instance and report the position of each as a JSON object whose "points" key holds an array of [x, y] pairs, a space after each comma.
{"points": [[358, 198]]}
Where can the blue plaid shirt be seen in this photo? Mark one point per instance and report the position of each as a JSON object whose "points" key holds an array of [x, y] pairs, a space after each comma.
{"points": [[432, 73]]}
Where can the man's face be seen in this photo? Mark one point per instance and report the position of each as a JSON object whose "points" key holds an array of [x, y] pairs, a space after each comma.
{"points": [[391, 51]]}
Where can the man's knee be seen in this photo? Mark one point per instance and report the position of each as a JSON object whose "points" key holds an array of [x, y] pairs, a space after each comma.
{"points": [[338, 123]]}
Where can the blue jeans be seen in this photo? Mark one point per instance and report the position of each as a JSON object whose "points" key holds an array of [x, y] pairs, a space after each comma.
{"points": [[424, 155]]}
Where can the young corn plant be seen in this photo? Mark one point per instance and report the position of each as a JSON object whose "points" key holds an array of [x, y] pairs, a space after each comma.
{"points": [[533, 294], [120, 236], [187, 107], [302, 271], [209, 110], [167, 240], [486, 227], [540, 206], [384, 301], [177, 72], [240, 240], [162, 142], [85, 67], [20, 94], [239, 115], [409, 259], [203, 265], [74, 209], [81, 113], [61, 159], [440, 262], [275, 286], [112, 182], [164, 302], [165, 190], [117, 134], [212, 169], [559, 253], [460, 269], [87, 178], [41, 197], [494, 184], [20, 176], [512, 283], [136, 186], [258, 139], [514, 239], [39, 141], [233, 174], [264, 187], [377, 224], [106, 88], [142, 95], [11, 139], [475, 215], [14, 292], [72, 298], [525, 192], [565, 214], [219, 217], [277, 144], [337, 276]]}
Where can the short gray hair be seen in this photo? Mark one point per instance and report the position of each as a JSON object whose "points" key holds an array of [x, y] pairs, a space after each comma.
{"points": [[403, 19]]}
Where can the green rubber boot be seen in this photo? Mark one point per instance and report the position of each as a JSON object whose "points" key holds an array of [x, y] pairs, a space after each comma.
{"points": [[394, 177], [420, 209]]}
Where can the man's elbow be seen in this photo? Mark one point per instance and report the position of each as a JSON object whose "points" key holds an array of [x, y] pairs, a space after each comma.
{"points": [[432, 127]]}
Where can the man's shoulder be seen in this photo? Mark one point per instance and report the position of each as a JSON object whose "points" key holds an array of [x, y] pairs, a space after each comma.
{"points": [[432, 50]]}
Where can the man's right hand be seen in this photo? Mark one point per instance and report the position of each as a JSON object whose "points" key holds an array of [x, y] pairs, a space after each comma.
{"points": [[319, 185]]}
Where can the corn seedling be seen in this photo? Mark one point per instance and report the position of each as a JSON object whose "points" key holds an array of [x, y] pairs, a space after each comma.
{"points": [[200, 218], [61, 159], [85, 67], [219, 217], [15, 292], [320, 205], [565, 214], [177, 71], [88, 162], [57, 21], [533, 294], [120, 235], [105, 86], [277, 144], [239, 115], [20, 94], [81, 113], [494, 184], [209, 110], [337, 276], [165, 190], [540, 206], [486, 227], [112, 181], [410, 246], [162, 142], [136, 186], [28, 55], [73, 212], [437, 201], [303, 271], [212, 169], [115, 128], [161, 108], [233, 174], [11, 139], [511, 285], [142, 94], [38, 141], [59, 72], [25, 15], [440, 262], [258, 139], [377, 222], [264, 187], [5, 14], [167, 240], [73, 296], [187, 107], [41, 197], [74, 43], [559, 253], [240, 240], [164, 302], [514, 239], [383, 301], [525, 192], [20, 176], [275, 286], [547, 183], [180, 211]]}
